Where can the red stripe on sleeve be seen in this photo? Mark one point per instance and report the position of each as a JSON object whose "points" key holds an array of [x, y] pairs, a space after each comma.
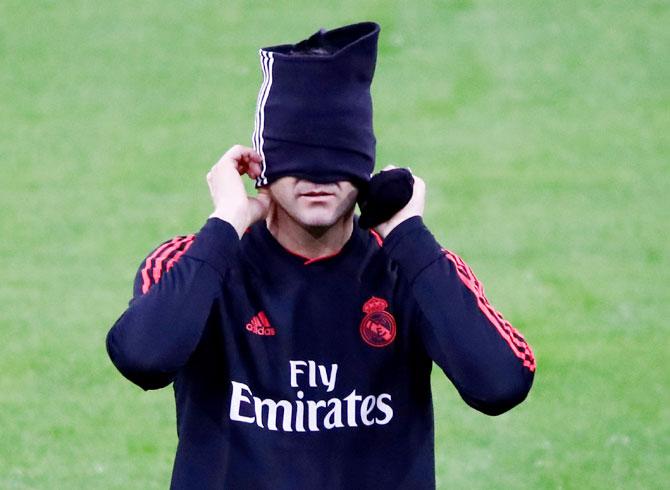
{"points": [[158, 263], [186, 244], [512, 336], [146, 281]]}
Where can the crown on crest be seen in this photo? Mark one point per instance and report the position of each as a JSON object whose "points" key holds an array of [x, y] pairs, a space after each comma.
{"points": [[374, 304]]}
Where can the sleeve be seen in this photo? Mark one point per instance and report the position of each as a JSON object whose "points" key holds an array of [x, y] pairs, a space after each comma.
{"points": [[175, 289], [487, 360]]}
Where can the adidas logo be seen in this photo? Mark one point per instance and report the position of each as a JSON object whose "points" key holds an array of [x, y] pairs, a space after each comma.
{"points": [[260, 325]]}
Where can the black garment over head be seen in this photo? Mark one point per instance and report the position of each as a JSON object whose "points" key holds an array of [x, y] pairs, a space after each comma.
{"points": [[314, 113]]}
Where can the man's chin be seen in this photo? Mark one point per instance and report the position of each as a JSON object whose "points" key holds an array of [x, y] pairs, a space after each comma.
{"points": [[319, 218], [318, 222]]}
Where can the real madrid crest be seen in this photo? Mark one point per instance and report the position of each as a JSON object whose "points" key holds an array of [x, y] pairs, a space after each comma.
{"points": [[378, 327]]}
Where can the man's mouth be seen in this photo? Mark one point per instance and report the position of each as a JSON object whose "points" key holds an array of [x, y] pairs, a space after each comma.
{"points": [[316, 194]]}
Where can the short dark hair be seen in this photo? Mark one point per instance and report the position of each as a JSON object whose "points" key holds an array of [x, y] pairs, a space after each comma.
{"points": [[313, 50], [317, 45]]}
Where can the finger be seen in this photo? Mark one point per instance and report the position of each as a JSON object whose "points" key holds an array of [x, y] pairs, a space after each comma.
{"points": [[246, 161], [254, 156], [254, 170], [242, 167], [238, 154], [236, 151], [243, 153]]}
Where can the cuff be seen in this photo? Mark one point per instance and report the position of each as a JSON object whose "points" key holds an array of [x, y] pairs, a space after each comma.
{"points": [[412, 247], [217, 243]]}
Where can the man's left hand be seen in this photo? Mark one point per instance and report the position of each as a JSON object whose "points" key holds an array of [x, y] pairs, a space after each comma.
{"points": [[414, 207]]}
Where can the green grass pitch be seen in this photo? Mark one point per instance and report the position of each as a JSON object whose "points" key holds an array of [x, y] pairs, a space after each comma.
{"points": [[541, 128]]}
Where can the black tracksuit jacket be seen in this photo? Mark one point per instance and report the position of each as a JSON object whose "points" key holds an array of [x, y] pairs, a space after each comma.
{"points": [[292, 373]]}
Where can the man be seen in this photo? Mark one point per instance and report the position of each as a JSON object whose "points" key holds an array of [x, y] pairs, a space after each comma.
{"points": [[299, 344]]}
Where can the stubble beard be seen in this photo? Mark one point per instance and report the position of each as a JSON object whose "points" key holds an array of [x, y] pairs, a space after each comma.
{"points": [[320, 222]]}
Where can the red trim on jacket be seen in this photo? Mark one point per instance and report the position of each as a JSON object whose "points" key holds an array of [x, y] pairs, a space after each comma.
{"points": [[307, 260], [157, 271], [185, 246], [380, 240], [514, 339], [146, 281], [170, 251]]}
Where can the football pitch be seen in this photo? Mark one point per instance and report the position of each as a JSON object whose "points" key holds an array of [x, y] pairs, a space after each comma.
{"points": [[542, 130]]}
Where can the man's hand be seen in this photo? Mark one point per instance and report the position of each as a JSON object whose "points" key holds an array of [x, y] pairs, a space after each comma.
{"points": [[413, 208], [231, 202]]}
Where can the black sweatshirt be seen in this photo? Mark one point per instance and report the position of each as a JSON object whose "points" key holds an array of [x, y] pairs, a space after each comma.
{"points": [[291, 373]]}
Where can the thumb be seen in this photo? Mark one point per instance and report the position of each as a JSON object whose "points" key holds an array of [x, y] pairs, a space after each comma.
{"points": [[258, 207]]}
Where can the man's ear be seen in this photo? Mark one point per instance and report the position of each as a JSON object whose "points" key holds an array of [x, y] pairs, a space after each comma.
{"points": [[265, 190], [387, 193]]}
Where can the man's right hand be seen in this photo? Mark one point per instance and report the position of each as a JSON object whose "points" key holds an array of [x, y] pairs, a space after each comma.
{"points": [[231, 202]]}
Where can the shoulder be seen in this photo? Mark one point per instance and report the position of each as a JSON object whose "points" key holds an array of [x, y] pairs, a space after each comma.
{"points": [[160, 260]]}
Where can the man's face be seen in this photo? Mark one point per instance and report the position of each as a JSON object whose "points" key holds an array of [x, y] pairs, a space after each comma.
{"points": [[311, 204]]}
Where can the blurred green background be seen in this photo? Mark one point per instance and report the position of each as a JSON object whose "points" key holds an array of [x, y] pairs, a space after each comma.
{"points": [[541, 128]]}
